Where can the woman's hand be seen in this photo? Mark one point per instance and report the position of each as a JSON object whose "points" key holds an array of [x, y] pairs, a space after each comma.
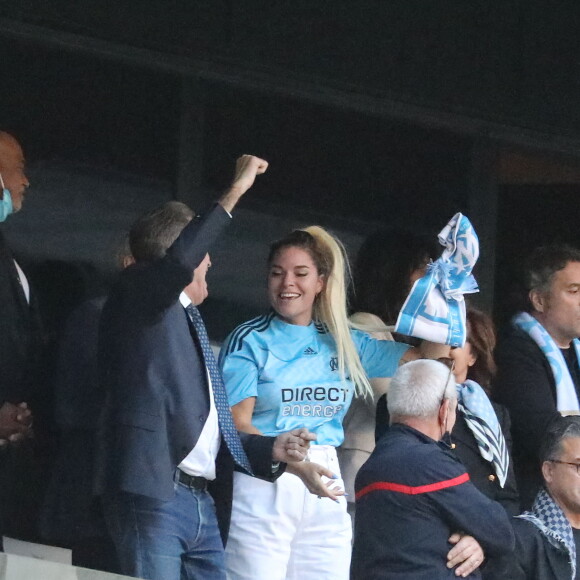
{"points": [[292, 447], [312, 475]]}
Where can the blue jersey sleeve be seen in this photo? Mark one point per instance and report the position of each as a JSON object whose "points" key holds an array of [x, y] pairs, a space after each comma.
{"points": [[239, 370], [380, 358]]}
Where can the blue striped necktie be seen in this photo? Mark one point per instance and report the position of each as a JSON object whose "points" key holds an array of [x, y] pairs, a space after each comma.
{"points": [[226, 422]]}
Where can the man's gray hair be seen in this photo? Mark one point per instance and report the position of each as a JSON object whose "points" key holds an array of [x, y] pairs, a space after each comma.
{"points": [[154, 232], [418, 388], [558, 429]]}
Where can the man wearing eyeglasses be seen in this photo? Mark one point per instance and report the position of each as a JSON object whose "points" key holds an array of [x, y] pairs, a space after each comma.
{"points": [[548, 536], [413, 495]]}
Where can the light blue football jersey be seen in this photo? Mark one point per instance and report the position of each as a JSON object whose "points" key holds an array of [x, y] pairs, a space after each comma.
{"points": [[293, 373]]}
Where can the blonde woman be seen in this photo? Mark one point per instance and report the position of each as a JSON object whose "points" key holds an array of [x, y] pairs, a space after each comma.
{"points": [[299, 365]]}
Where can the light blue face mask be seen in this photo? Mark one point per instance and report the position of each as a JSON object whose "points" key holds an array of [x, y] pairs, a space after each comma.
{"points": [[6, 207]]}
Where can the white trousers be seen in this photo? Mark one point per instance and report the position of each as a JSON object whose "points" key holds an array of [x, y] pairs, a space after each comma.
{"points": [[280, 531]]}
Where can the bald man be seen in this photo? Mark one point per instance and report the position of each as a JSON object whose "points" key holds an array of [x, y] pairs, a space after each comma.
{"points": [[19, 332], [13, 181]]}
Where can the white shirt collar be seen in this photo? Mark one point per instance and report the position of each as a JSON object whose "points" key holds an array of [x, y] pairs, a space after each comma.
{"points": [[184, 299]]}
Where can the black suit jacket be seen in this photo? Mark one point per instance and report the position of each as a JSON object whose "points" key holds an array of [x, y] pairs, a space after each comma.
{"points": [[20, 350], [156, 381], [525, 385], [20, 333], [481, 472]]}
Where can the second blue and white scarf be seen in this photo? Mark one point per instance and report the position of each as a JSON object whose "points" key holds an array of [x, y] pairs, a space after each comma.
{"points": [[566, 398]]}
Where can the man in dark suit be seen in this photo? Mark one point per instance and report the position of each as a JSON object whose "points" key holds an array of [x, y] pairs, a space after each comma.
{"points": [[20, 337], [19, 323], [167, 442]]}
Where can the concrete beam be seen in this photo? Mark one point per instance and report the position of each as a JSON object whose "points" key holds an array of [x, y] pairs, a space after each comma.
{"points": [[250, 76]]}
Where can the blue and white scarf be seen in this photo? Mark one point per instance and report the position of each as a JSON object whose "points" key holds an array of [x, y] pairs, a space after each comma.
{"points": [[549, 518], [435, 308], [566, 398], [482, 422]]}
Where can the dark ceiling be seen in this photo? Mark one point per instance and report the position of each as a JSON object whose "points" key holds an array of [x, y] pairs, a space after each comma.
{"points": [[511, 61]]}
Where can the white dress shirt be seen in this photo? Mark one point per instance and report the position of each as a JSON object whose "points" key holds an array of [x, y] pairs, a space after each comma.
{"points": [[23, 281], [201, 459]]}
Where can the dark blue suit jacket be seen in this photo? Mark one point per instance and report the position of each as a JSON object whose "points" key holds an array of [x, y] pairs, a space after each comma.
{"points": [[155, 379]]}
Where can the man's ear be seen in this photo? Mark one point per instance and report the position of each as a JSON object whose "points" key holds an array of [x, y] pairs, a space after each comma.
{"points": [[547, 469], [538, 300], [444, 411], [127, 260]]}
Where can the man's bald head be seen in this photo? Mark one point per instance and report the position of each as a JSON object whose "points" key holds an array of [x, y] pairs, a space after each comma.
{"points": [[12, 169], [6, 138]]}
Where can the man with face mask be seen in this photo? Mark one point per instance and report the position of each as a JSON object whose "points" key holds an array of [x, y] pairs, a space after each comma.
{"points": [[413, 495], [19, 331]]}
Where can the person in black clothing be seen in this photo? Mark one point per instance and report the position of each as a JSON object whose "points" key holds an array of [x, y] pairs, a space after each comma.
{"points": [[20, 346], [413, 494], [539, 378], [70, 517], [548, 537], [20, 320]]}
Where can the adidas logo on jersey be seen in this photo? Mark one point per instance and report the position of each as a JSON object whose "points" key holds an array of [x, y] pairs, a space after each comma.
{"points": [[310, 351]]}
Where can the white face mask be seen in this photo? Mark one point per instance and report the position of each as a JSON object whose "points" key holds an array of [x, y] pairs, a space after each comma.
{"points": [[6, 207]]}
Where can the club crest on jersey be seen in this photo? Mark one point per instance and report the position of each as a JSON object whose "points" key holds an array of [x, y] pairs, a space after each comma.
{"points": [[310, 350], [334, 363]]}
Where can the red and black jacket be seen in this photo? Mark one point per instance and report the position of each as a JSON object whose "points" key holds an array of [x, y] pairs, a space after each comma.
{"points": [[411, 495]]}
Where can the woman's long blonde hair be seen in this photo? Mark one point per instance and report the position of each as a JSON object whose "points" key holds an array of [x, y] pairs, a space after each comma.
{"points": [[330, 307]]}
